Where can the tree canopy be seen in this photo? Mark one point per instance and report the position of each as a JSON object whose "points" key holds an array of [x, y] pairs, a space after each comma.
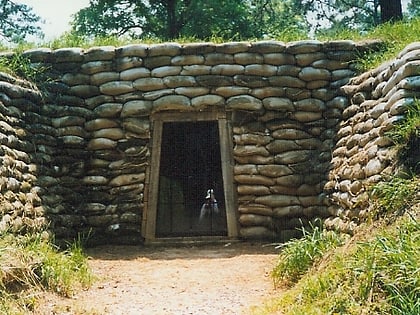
{"points": [[414, 8], [201, 19], [230, 19], [353, 14], [17, 21]]}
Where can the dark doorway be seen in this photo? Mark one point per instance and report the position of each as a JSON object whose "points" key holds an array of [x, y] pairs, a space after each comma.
{"points": [[190, 165]]}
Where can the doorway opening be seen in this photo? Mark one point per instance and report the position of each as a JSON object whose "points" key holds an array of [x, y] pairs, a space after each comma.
{"points": [[189, 190], [190, 165]]}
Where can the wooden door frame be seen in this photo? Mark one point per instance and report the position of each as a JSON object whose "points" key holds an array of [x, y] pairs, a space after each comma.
{"points": [[151, 191]]}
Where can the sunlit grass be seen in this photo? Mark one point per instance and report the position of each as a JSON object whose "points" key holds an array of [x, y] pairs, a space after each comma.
{"points": [[395, 36], [299, 255], [30, 264], [375, 272]]}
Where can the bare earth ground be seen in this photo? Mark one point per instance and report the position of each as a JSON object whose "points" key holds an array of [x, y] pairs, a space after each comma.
{"points": [[205, 279]]}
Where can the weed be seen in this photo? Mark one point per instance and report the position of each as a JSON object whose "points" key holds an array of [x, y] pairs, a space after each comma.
{"points": [[409, 127], [298, 255], [389, 265], [31, 262], [393, 197], [406, 136], [395, 37], [19, 65], [377, 274]]}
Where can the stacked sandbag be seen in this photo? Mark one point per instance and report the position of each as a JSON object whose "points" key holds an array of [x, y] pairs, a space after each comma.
{"points": [[283, 101], [64, 193], [364, 154], [282, 158], [23, 133]]}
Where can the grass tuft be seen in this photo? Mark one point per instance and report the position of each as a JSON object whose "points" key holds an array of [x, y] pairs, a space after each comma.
{"points": [[379, 275], [389, 267], [20, 66], [410, 126], [298, 255], [31, 263], [377, 271], [395, 196]]}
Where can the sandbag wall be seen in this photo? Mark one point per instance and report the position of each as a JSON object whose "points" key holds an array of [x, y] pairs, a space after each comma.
{"points": [[24, 154], [285, 105], [101, 154], [364, 154]]}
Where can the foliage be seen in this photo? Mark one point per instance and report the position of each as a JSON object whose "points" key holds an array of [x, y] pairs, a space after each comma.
{"points": [[377, 271], [199, 19], [406, 136], [395, 196], [352, 14], [395, 36], [359, 15], [104, 17], [390, 266], [19, 65], [298, 255], [282, 20], [17, 21], [225, 19], [414, 8], [31, 263]]}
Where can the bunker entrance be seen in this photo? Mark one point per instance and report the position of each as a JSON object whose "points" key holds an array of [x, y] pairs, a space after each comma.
{"points": [[191, 200]]}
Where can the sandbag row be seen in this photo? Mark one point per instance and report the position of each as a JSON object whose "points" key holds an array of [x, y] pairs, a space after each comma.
{"points": [[22, 152], [283, 102], [101, 169], [364, 154]]}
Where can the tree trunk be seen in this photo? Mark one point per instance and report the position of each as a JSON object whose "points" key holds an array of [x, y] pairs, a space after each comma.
{"points": [[391, 10], [173, 29]]}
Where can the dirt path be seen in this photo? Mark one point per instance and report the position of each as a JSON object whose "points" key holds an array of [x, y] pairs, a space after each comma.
{"points": [[217, 279]]}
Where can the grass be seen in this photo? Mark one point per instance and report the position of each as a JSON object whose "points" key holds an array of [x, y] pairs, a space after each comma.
{"points": [[30, 264], [389, 267], [393, 197], [20, 66], [406, 136], [377, 271], [409, 127], [299, 255], [394, 35]]}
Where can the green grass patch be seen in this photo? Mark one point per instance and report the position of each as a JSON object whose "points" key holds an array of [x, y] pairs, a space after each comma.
{"points": [[389, 267], [377, 271], [406, 136], [30, 264], [379, 275], [395, 196], [409, 127], [18, 65], [298, 256], [395, 36]]}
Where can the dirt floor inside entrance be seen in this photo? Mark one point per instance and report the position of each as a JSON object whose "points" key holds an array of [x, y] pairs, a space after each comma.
{"points": [[207, 279]]}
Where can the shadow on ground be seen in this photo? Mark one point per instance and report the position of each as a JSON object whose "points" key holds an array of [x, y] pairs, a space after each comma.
{"points": [[163, 252]]}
